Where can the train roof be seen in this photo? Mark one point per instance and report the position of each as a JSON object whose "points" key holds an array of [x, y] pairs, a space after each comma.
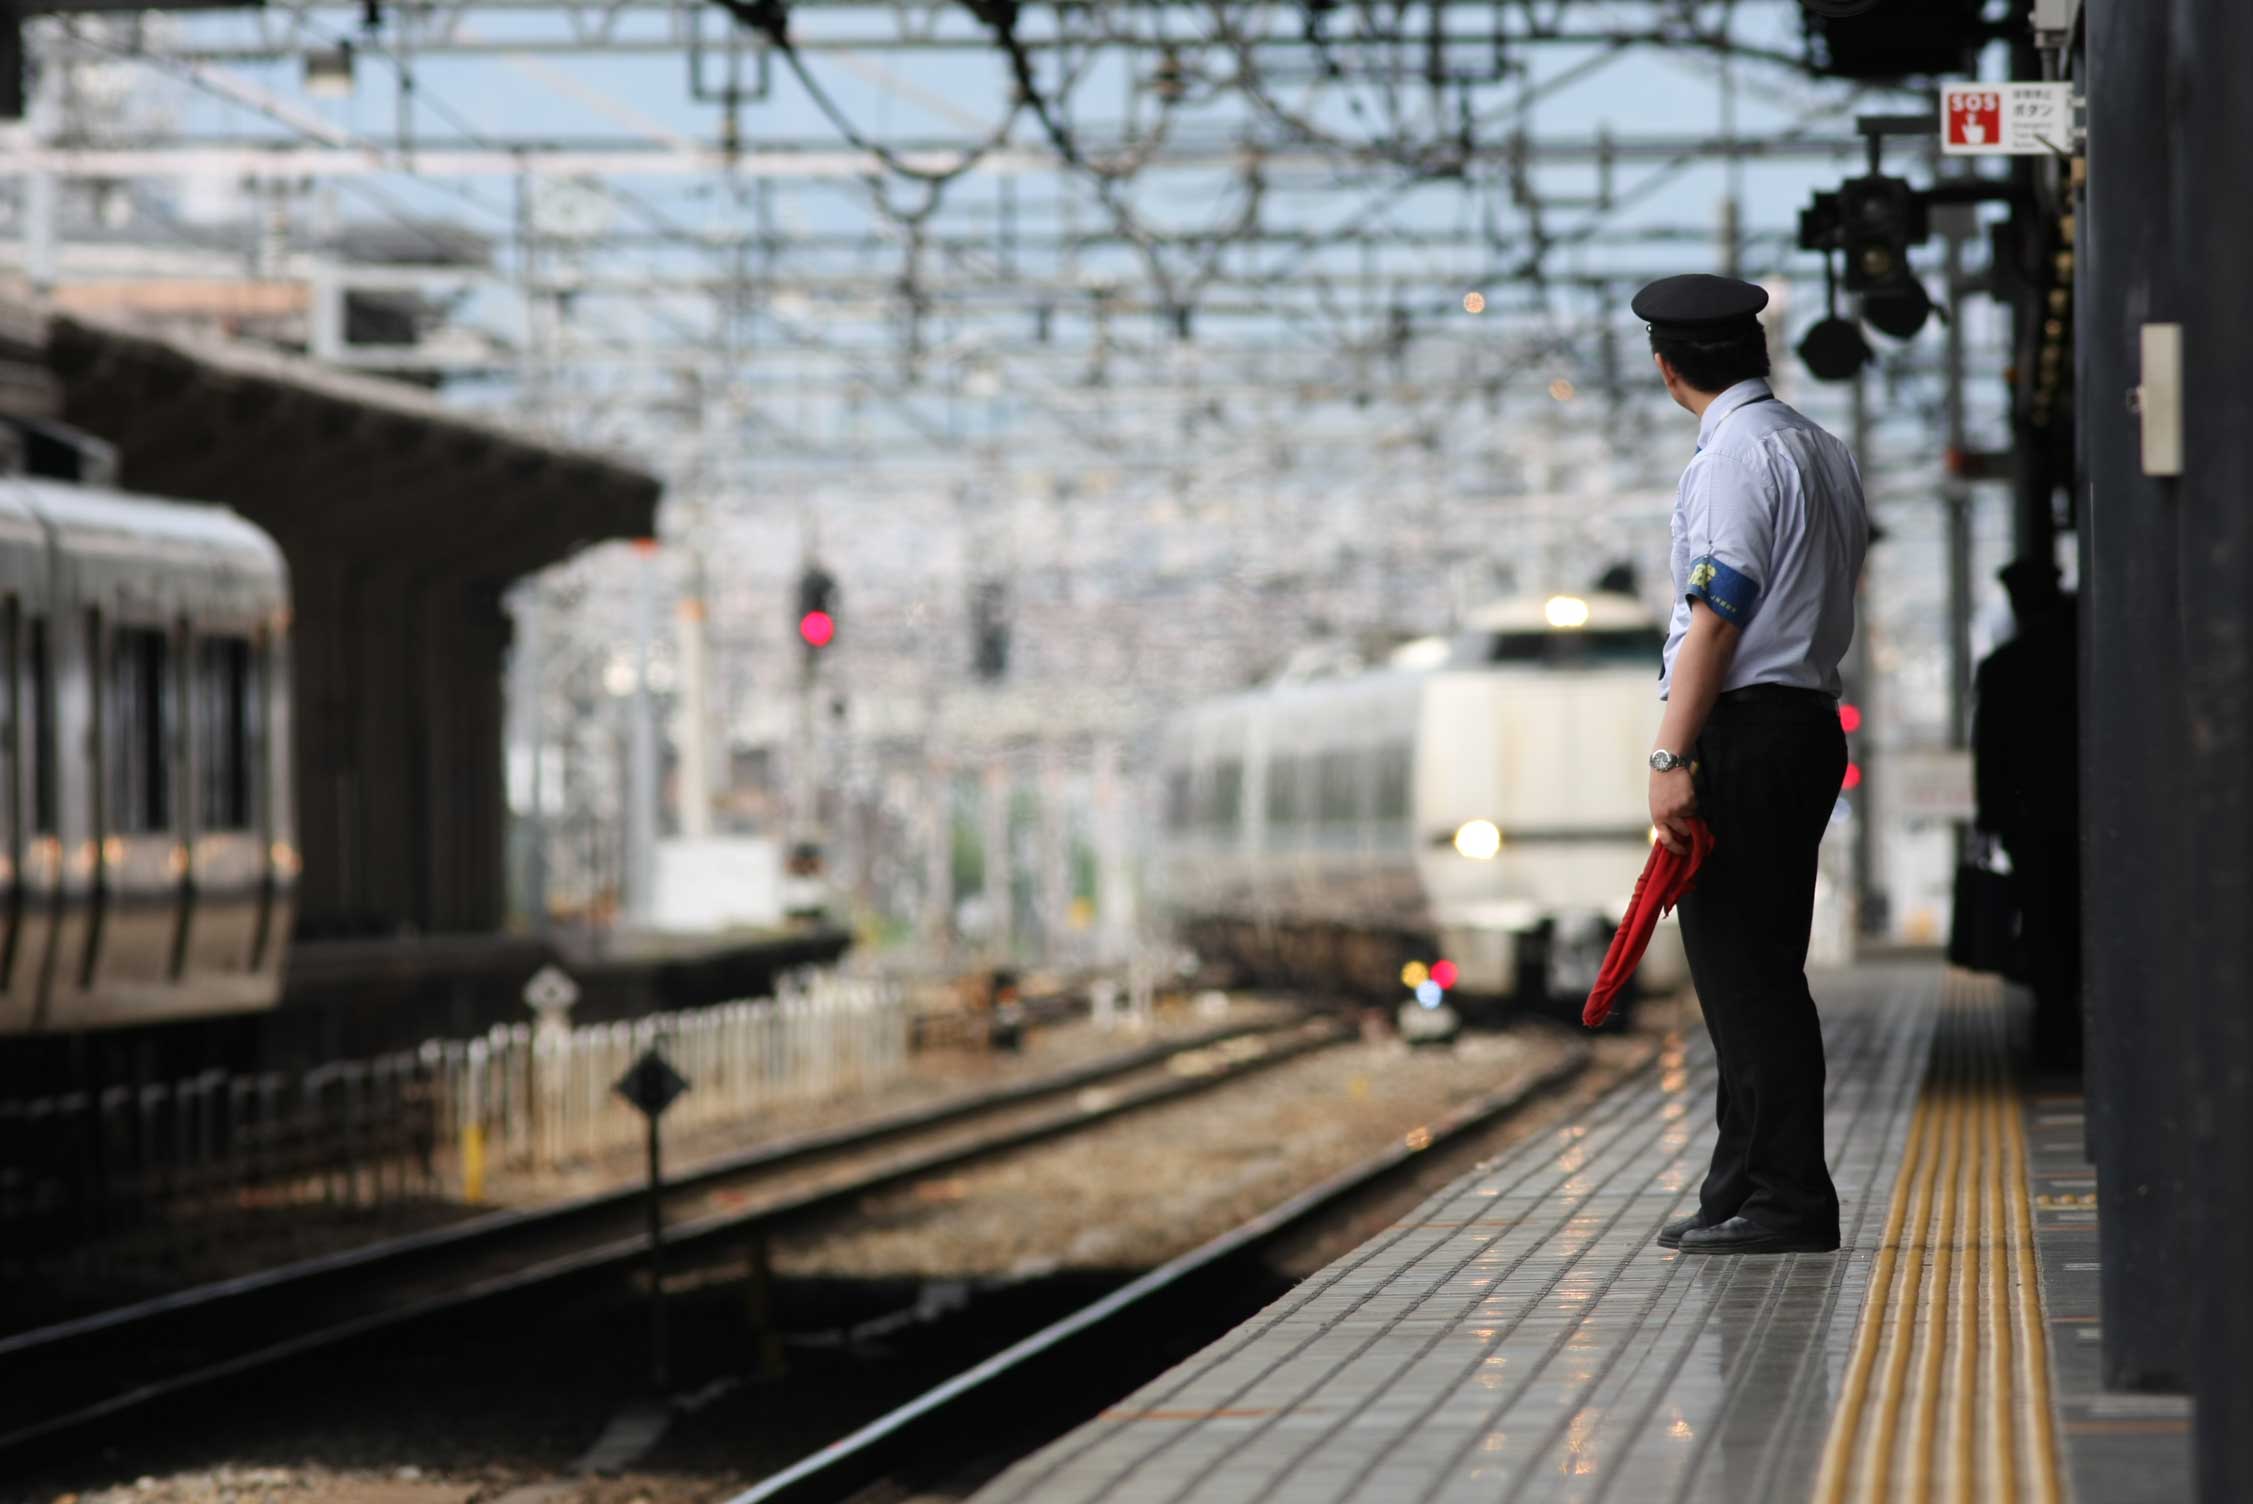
{"points": [[1595, 610], [81, 514], [1606, 610], [1327, 667]]}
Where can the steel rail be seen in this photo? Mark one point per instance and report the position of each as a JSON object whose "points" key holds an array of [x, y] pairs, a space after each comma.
{"points": [[855, 1460], [568, 1239]]}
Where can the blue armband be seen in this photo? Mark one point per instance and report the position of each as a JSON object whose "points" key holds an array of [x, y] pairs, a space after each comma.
{"points": [[1733, 597]]}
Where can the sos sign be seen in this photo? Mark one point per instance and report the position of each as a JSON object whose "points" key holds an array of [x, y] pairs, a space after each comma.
{"points": [[1975, 118], [2007, 120]]}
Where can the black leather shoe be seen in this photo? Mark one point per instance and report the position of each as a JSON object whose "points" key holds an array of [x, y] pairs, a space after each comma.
{"points": [[1670, 1236], [1741, 1235]]}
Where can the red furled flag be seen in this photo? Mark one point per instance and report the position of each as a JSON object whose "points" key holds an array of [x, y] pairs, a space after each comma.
{"points": [[1666, 877]]}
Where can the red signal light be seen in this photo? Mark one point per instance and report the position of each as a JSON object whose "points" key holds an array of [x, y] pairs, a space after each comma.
{"points": [[1849, 716], [817, 628], [1853, 776], [1444, 973]]}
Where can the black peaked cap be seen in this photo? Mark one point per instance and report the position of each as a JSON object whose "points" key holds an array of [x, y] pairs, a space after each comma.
{"points": [[1697, 305]]}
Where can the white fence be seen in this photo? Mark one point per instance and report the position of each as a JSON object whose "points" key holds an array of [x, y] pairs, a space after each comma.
{"points": [[528, 1098], [195, 1156]]}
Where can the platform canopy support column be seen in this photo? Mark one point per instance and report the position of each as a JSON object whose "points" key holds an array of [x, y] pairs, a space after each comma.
{"points": [[1000, 885], [2212, 224], [2130, 596], [2167, 639], [1114, 889], [938, 852], [1054, 869]]}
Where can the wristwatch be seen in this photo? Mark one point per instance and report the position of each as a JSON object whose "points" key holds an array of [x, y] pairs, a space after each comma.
{"points": [[1663, 761]]}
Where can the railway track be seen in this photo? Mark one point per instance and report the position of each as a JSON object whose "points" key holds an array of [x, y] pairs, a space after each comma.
{"points": [[68, 1377], [1029, 1390]]}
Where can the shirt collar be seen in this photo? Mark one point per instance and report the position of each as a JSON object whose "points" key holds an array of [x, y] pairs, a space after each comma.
{"points": [[1727, 403]]}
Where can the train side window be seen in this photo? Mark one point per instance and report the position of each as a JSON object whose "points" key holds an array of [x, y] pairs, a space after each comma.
{"points": [[1177, 799], [1339, 787], [226, 730], [11, 643], [1392, 781], [1283, 791], [141, 730], [42, 712], [1228, 794]]}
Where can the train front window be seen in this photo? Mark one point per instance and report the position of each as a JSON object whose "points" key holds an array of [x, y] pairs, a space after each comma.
{"points": [[1610, 647], [141, 729], [226, 730]]}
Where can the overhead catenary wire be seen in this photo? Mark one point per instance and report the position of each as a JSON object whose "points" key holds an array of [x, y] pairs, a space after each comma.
{"points": [[1304, 406]]}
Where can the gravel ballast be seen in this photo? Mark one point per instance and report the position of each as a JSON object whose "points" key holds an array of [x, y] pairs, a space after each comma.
{"points": [[508, 1410]]}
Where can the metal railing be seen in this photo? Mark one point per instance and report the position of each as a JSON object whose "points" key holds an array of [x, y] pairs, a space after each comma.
{"points": [[190, 1159], [536, 1099]]}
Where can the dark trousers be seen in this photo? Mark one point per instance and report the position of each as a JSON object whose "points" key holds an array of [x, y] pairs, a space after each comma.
{"points": [[1769, 765], [2046, 876]]}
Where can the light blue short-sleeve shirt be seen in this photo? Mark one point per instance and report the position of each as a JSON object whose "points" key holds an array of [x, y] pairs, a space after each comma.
{"points": [[1769, 532]]}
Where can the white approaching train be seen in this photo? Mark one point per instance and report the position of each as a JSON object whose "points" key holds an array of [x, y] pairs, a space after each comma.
{"points": [[1481, 799]]}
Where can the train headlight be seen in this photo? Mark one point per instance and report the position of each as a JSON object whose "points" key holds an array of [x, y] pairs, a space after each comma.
{"points": [[1566, 611], [1479, 840]]}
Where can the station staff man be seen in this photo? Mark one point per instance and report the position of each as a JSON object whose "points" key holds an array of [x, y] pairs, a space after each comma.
{"points": [[1769, 533]]}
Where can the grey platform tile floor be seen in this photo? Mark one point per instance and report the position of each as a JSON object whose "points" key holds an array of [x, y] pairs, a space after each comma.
{"points": [[1519, 1338], [2117, 1448]]}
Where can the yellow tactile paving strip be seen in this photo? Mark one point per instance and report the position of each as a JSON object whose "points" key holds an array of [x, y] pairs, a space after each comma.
{"points": [[1947, 1394]]}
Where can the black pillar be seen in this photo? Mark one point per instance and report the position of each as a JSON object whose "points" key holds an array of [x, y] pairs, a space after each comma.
{"points": [[2140, 975], [2212, 226]]}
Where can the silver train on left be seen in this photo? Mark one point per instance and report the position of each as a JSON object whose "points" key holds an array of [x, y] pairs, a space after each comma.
{"points": [[148, 851], [1480, 799]]}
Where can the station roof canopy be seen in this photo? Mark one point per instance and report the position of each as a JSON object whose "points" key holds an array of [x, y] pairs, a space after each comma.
{"points": [[332, 460], [402, 520]]}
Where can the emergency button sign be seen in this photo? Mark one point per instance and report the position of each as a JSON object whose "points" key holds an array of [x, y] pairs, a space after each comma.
{"points": [[1975, 117], [2006, 120]]}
